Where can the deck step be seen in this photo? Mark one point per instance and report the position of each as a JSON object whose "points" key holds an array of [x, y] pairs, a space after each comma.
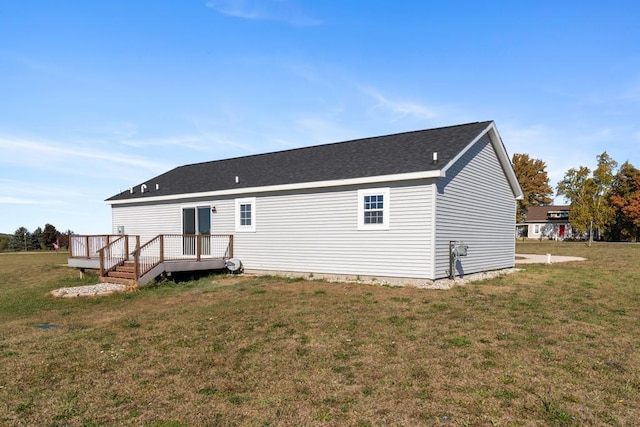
{"points": [[127, 269], [122, 274]]}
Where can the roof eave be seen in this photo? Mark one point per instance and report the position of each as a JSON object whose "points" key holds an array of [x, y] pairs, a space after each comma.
{"points": [[285, 187]]}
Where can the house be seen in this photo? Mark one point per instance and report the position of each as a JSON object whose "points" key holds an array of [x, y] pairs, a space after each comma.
{"points": [[387, 206], [547, 222]]}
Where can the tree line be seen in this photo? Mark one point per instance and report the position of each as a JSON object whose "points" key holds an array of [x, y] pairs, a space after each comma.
{"points": [[40, 239], [605, 202]]}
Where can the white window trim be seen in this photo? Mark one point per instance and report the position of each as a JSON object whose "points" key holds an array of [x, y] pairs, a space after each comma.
{"points": [[385, 192], [246, 228]]}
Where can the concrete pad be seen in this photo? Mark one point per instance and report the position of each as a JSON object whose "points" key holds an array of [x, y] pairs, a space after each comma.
{"points": [[545, 259]]}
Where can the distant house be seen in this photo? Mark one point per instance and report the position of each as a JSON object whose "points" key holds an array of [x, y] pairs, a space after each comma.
{"points": [[387, 206], [547, 222]]}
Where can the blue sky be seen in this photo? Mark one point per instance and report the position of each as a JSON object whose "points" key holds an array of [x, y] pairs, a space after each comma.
{"points": [[98, 96]]}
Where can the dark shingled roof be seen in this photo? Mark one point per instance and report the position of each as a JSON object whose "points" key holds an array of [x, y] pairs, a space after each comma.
{"points": [[540, 213], [382, 155]]}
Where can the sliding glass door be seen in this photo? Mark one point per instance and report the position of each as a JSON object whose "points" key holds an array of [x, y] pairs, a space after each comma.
{"points": [[196, 228]]}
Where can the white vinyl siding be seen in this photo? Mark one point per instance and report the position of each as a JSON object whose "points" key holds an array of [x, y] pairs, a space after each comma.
{"points": [[317, 232], [475, 204], [149, 220], [312, 231]]}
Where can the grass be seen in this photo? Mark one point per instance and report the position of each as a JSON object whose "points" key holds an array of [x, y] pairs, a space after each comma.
{"points": [[551, 345]]}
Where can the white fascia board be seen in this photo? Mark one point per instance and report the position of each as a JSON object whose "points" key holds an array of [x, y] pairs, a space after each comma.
{"points": [[287, 187], [503, 158]]}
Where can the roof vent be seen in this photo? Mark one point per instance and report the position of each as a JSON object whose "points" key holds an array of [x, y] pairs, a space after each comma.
{"points": [[157, 187], [130, 190], [237, 179], [435, 156], [143, 188]]}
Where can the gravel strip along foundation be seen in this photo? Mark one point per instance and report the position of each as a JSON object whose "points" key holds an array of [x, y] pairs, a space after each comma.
{"points": [[100, 289]]}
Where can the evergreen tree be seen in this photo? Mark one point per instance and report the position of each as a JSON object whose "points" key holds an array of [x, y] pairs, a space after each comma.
{"points": [[4, 242], [36, 239], [49, 236], [20, 240]]}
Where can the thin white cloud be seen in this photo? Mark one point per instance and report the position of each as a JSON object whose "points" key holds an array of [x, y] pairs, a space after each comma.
{"points": [[115, 130], [632, 93], [401, 108], [9, 200], [28, 63], [320, 130], [35, 153], [521, 139], [265, 10], [206, 141], [38, 190], [193, 142]]}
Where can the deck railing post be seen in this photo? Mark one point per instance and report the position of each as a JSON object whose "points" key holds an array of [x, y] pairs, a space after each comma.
{"points": [[126, 247], [86, 245], [136, 262], [198, 246], [101, 252], [230, 245], [162, 248]]}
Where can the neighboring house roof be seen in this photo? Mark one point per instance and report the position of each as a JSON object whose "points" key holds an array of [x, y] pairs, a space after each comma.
{"points": [[550, 213], [399, 156]]}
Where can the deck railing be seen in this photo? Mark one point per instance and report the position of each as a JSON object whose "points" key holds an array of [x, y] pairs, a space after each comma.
{"points": [[88, 246], [173, 247], [113, 254]]}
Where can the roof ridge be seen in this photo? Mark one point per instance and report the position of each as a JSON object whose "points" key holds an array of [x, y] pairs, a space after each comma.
{"points": [[332, 143]]}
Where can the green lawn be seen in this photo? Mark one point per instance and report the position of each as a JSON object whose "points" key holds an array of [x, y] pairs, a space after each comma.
{"points": [[551, 345]]}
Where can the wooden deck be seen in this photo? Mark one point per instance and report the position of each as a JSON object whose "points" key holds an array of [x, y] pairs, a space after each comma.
{"points": [[121, 258]]}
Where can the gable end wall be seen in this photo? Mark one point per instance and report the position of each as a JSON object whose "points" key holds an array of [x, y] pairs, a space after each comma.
{"points": [[475, 204]]}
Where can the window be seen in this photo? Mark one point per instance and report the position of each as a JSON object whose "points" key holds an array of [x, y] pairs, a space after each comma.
{"points": [[536, 229], [246, 215], [373, 209]]}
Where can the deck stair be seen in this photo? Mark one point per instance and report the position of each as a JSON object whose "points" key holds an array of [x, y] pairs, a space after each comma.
{"points": [[124, 274]]}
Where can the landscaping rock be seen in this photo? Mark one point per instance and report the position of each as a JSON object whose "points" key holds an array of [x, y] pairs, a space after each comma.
{"points": [[101, 289]]}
